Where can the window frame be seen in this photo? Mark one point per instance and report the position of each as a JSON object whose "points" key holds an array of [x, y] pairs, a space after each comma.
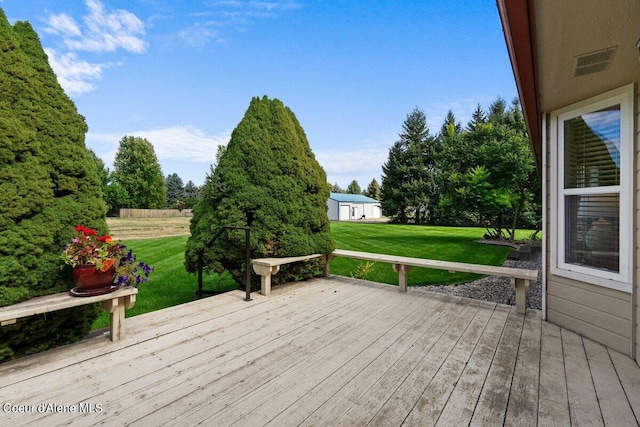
{"points": [[622, 280]]}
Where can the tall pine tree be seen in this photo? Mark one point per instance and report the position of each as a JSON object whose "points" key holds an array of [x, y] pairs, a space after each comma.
{"points": [[450, 127], [354, 188], [477, 118], [409, 183], [175, 189], [373, 190]]}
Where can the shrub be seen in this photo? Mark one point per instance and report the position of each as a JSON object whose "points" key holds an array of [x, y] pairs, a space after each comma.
{"points": [[268, 179], [48, 183]]}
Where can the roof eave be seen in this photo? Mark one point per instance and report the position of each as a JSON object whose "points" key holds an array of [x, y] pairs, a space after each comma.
{"points": [[519, 27]]}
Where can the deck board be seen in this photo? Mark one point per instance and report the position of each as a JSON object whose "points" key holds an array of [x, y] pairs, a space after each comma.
{"points": [[433, 399], [614, 405], [523, 398], [492, 405], [464, 398], [332, 351], [584, 407], [553, 403]]}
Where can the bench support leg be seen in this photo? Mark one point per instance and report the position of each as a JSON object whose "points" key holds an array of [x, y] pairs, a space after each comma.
{"points": [[116, 307], [326, 272], [402, 271], [521, 286], [265, 273]]}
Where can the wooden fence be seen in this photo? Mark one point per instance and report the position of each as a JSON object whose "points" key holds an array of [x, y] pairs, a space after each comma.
{"points": [[153, 213]]}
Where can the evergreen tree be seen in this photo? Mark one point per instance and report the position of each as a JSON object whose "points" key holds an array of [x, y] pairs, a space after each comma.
{"points": [[409, 175], [490, 173], [101, 170], [515, 117], [354, 188], [137, 171], [48, 184], [373, 190], [393, 199], [267, 179], [498, 112], [103, 175], [477, 118], [192, 194], [450, 126], [219, 153], [175, 189], [335, 188]]}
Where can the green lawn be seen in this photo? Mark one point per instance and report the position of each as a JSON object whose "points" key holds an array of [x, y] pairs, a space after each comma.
{"points": [[441, 243], [170, 285]]}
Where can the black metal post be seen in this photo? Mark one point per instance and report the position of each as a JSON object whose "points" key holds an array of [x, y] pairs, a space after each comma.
{"points": [[247, 263], [200, 267], [247, 260]]}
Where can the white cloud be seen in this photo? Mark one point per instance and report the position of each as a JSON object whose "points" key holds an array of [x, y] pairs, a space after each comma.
{"points": [[226, 14], [189, 145], [184, 143], [63, 25], [177, 142], [185, 150], [102, 31], [345, 166], [254, 7], [199, 34], [105, 31], [74, 75]]}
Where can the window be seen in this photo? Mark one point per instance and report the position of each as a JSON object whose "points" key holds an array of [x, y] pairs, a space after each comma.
{"points": [[592, 226]]}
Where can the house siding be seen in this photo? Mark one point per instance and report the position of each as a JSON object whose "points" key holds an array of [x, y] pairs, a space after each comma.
{"points": [[334, 210], [602, 314], [636, 290]]}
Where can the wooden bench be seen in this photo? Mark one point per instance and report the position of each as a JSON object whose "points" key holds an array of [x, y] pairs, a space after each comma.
{"points": [[265, 267], [115, 303], [520, 277]]}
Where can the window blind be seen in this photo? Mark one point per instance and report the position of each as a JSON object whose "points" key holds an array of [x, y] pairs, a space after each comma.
{"points": [[592, 149], [592, 230], [592, 216]]}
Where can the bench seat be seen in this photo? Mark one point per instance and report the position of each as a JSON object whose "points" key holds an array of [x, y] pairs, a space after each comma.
{"points": [[265, 267], [520, 277], [115, 303]]}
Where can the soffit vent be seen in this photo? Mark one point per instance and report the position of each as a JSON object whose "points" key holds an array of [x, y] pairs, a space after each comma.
{"points": [[593, 62]]}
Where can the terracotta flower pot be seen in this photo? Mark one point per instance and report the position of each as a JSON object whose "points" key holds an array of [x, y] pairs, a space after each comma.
{"points": [[87, 277]]}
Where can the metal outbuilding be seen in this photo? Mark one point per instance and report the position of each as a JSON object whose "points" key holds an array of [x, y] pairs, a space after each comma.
{"points": [[350, 207]]}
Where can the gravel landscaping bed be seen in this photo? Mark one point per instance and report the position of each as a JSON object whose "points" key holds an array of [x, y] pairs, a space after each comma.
{"points": [[496, 289]]}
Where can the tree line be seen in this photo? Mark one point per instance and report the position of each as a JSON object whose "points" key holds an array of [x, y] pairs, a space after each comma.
{"points": [[483, 174], [372, 190], [137, 180]]}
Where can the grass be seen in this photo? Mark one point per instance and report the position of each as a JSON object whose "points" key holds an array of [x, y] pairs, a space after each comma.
{"points": [[170, 285], [441, 243]]}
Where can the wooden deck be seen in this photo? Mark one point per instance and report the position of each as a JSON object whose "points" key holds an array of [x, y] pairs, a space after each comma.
{"points": [[327, 352]]}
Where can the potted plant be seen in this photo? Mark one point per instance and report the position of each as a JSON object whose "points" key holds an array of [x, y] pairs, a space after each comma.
{"points": [[101, 265]]}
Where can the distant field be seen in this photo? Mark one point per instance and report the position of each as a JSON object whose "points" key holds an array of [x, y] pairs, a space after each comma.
{"points": [[147, 228]]}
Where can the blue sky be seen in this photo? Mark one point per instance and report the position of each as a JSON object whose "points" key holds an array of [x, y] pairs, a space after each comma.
{"points": [[182, 73]]}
